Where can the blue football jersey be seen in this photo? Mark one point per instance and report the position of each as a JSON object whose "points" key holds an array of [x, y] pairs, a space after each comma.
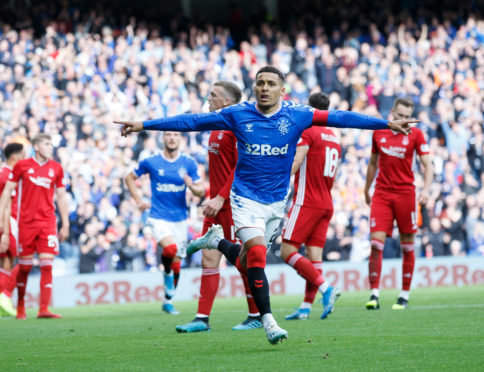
{"points": [[168, 200], [266, 143], [266, 147]]}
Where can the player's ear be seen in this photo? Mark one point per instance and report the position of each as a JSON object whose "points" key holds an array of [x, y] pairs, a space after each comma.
{"points": [[283, 90]]}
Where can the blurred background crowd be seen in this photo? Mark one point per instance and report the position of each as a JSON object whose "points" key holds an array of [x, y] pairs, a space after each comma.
{"points": [[70, 69]]}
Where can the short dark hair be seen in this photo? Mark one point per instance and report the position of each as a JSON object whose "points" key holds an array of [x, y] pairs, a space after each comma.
{"points": [[319, 101], [41, 137], [405, 101], [12, 148], [232, 90], [271, 69]]}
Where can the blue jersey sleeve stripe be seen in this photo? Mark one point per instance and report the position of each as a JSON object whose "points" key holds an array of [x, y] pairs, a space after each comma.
{"points": [[348, 119]]}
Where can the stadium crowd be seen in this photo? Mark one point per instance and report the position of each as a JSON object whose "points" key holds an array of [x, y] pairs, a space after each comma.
{"points": [[69, 72]]}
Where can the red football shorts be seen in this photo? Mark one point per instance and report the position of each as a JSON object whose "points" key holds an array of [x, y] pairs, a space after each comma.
{"points": [[38, 239], [387, 207], [307, 225], [224, 218]]}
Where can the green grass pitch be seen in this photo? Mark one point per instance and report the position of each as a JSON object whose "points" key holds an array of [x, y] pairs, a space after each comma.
{"points": [[443, 330]]}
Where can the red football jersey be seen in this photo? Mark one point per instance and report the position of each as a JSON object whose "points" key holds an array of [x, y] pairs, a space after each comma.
{"points": [[315, 177], [397, 158], [4, 176], [222, 158], [37, 183]]}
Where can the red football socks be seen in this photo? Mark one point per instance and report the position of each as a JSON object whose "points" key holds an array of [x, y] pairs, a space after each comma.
{"points": [[45, 283], [305, 268], [311, 289], [375, 263], [208, 290]]}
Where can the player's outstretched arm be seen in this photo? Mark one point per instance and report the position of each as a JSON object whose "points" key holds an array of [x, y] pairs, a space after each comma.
{"points": [[349, 119], [178, 123], [402, 125], [129, 127]]}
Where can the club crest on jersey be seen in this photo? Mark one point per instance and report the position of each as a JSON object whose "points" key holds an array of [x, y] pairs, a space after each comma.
{"points": [[248, 127], [30, 171], [220, 135], [161, 172], [182, 172], [284, 127], [383, 140], [51, 172], [405, 140]]}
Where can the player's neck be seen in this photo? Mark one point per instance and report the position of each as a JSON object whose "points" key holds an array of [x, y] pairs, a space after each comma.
{"points": [[10, 163], [40, 159], [268, 110], [171, 154]]}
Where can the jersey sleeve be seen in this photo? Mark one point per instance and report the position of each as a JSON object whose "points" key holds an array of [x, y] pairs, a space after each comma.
{"points": [[374, 146], [347, 119], [16, 174], [192, 169], [306, 139], [60, 182], [218, 120], [141, 168], [421, 144], [302, 114]]}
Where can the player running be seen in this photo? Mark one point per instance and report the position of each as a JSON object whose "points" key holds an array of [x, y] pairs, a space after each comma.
{"points": [[267, 133], [393, 156], [38, 178], [171, 173], [317, 156], [222, 158], [8, 242]]}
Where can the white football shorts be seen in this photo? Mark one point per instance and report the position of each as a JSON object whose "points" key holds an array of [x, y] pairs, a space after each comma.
{"points": [[252, 218], [179, 231]]}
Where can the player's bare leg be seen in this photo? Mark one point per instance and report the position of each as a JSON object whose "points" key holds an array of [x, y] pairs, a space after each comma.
{"points": [[374, 268], [314, 279], [407, 243]]}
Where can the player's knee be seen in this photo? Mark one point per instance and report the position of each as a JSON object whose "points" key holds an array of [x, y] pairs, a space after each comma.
{"points": [[256, 256], [210, 259], [377, 244], [407, 247], [176, 267], [288, 248], [170, 251]]}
